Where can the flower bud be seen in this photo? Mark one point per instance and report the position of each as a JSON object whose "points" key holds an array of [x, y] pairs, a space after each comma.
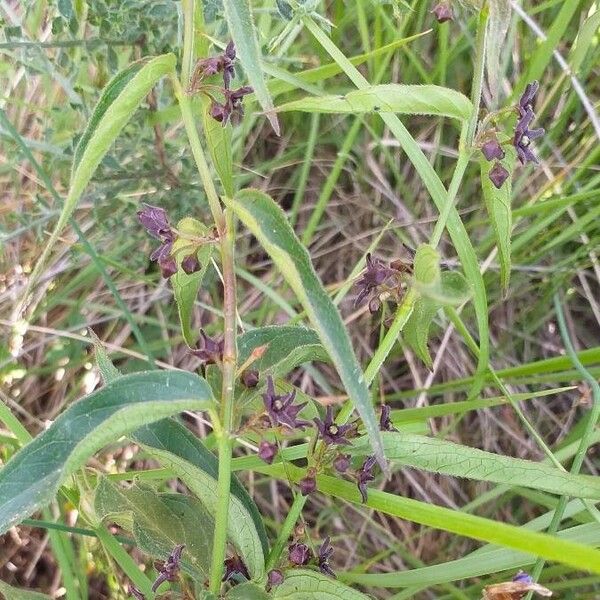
{"points": [[498, 175], [341, 463], [274, 578], [299, 554], [307, 485], [190, 264], [267, 451], [250, 378]]}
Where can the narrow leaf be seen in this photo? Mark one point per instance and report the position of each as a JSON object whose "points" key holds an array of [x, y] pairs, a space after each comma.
{"points": [[302, 584], [392, 98], [218, 140], [416, 330], [33, 475], [243, 32], [270, 226], [11, 593], [497, 28]]}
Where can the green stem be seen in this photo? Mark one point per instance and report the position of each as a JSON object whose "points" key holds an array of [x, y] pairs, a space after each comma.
{"points": [[586, 438], [188, 8], [286, 530]]}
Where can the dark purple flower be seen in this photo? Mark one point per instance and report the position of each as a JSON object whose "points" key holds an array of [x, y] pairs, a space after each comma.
{"points": [[364, 475], [299, 554], [133, 591], [443, 12], [209, 350], [190, 264], [523, 577], [523, 134], [282, 409], [228, 62], [325, 552], [231, 109], [168, 267], [498, 175], [267, 451], [341, 463], [170, 568], [234, 568], [274, 578], [250, 378], [155, 220], [375, 275], [308, 485], [330, 431], [206, 67], [385, 423], [492, 149]]}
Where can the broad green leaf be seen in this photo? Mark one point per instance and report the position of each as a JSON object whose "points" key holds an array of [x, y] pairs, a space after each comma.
{"points": [[270, 226], [499, 209], [302, 584], [451, 290], [247, 591], [497, 28], [416, 330], [159, 522], [448, 458], [549, 547], [33, 475], [427, 265], [243, 33], [7, 592], [218, 139], [168, 438], [186, 287], [118, 102], [287, 347], [391, 97]]}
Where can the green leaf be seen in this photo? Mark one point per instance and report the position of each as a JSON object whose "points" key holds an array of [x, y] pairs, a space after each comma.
{"points": [[287, 348], [270, 226], [247, 591], [108, 371], [391, 97], [498, 206], [497, 28], [118, 102], [585, 40], [186, 287], [427, 265], [33, 475], [177, 447], [218, 140], [159, 522], [302, 584], [416, 330], [11, 593], [243, 33], [440, 456], [65, 8]]}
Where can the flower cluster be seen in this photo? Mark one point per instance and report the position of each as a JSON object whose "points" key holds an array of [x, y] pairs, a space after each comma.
{"points": [[523, 134], [300, 554], [156, 222], [169, 570], [209, 350], [231, 108]]}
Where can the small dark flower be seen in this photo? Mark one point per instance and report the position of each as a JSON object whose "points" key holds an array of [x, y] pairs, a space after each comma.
{"points": [[330, 431], [274, 578], [299, 554], [234, 568], [250, 378], [364, 475], [492, 149], [209, 350], [375, 275], [523, 134], [228, 62], [528, 96], [231, 109], [133, 591], [308, 485], [498, 175], [325, 553], [206, 67], [282, 409], [523, 577], [190, 264], [168, 266], [155, 220], [341, 463], [170, 568], [385, 423], [443, 12], [267, 451]]}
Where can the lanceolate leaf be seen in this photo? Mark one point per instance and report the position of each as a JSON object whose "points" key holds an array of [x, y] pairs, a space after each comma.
{"points": [[32, 477], [270, 226], [302, 584], [169, 439], [243, 32], [159, 522], [499, 209], [286, 348], [416, 330], [392, 97], [218, 140], [118, 102], [186, 287], [497, 27], [440, 456]]}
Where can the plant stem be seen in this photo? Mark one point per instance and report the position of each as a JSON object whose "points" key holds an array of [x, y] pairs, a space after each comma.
{"points": [[189, 8], [286, 530]]}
